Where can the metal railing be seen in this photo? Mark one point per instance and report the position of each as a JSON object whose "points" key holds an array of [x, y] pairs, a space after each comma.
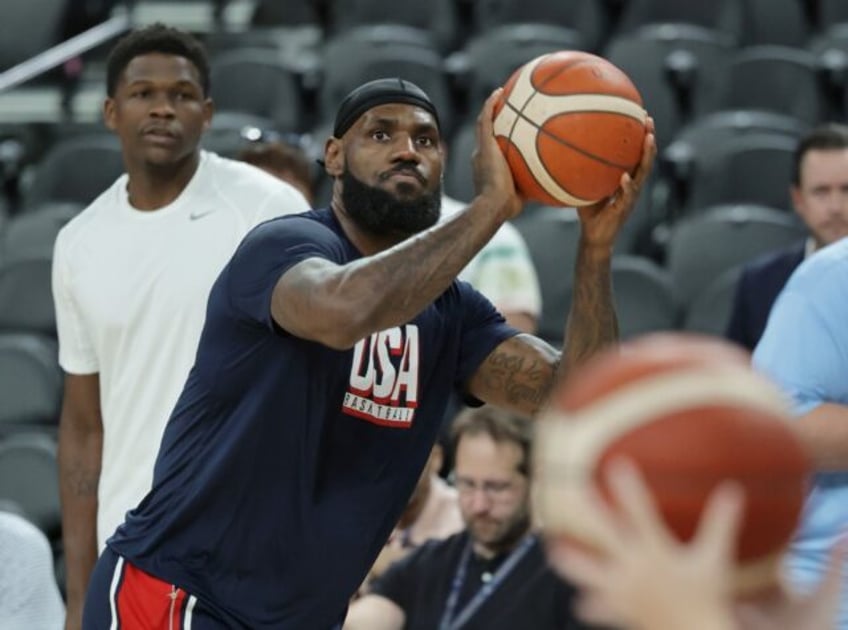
{"points": [[64, 51]]}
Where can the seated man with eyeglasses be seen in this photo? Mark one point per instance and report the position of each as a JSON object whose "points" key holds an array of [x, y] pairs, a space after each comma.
{"points": [[491, 575], [431, 514]]}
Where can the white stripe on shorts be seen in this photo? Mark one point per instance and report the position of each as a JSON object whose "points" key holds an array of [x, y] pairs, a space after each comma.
{"points": [[116, 577], [192, 600]]}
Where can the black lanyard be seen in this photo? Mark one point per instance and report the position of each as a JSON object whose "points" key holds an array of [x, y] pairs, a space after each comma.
{"points": [[451, 622]]}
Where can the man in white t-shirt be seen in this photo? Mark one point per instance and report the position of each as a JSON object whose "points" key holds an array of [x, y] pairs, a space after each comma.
{"points": [[131, 277]]}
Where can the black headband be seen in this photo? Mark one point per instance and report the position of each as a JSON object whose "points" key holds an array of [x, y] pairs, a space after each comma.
{"points": [[379, 92]]}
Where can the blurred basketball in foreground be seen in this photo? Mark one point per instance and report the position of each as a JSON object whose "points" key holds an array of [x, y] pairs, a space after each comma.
{"points": [[570, 124], [689, 412]]}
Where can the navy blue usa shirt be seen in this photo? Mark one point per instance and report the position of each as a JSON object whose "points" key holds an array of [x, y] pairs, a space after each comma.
{"points": [[286, 464]]}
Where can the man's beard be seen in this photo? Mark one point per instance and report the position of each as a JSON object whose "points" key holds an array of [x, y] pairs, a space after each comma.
{"points": [[506, 535], [380, 213]]}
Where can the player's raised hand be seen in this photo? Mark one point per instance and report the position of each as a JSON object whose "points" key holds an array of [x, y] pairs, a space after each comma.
{"points": [[492, 177], [646, 578], [602, 221]]}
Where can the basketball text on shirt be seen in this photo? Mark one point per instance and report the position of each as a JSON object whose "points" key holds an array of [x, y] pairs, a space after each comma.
{"points": [[383, 385]]}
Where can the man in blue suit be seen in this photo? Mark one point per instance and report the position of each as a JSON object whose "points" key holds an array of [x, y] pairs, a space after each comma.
{"points": [[820, 196]]}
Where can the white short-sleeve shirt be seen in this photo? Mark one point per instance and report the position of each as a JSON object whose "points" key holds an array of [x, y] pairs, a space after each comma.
{"points": [[130, 290]]}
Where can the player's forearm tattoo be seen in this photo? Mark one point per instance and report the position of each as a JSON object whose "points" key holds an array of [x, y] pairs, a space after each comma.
{"points": [[592, 324], [81, 479], [520, 376], [413, 274]]}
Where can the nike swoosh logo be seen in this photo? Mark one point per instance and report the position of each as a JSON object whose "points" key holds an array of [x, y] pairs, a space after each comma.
{"points": [[199, 215]]}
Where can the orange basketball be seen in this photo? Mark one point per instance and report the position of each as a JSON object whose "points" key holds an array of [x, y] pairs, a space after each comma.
{"points": [[689, 412], [570, 124]]}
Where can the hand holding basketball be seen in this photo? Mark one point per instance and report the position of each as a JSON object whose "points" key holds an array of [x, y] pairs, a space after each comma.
{"points": [[601, 222], [689, 584], [492, 176], [690, 413], [648, 579], [570, 125]]}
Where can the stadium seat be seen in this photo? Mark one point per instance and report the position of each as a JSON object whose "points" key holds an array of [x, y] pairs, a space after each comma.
{"points": [[725, 16], [31, 234], [777, 79], [703, 246], [28, 28], [784, 23], [227, 134], [551, 235], [747, 22], [76, 169], [831, 51], [711, 133], [29, 477], [376, 35], [832, 12], [254, 82], [30, 382], [289, 13], [752, 168], [269, 40], [369, 53], [677, 68], [644, 296], [589, 18], [26, 300], [488, 59], [4, 213], [709, 311], [437, 17], [459, 170]]}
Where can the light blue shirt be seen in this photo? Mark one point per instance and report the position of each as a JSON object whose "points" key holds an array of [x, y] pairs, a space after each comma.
{"points": [[805, 350]]}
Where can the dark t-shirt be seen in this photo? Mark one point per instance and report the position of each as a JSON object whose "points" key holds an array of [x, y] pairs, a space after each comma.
{"points": [[530, 596], [285, 463]]}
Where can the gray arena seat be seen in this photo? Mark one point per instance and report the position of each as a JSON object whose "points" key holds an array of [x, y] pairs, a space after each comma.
{"points": [[703, 246], [30, 382], [29, 477], [77, 169]]}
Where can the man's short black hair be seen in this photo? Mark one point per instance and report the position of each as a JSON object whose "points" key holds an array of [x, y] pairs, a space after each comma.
{"points": [[156, 38], [826, 137]]}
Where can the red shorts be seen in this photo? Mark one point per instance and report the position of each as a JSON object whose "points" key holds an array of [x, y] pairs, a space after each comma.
{"points": [[123, 597], [141, 600]]}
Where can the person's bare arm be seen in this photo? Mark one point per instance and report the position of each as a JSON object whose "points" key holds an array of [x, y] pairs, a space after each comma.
{"points": [[374, 612], [519, 374], [80, 452], [525, 322], [824, 431], [338, 305]]}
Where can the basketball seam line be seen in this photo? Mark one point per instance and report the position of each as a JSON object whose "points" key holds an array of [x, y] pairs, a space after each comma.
{"points": [[559, 71], [510, 146], [519, 113], [584, 152]]}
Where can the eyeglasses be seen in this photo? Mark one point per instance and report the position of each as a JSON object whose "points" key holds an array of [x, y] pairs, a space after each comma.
{"points": [[492, 490]]}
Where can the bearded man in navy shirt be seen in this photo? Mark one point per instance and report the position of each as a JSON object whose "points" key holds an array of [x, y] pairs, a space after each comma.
{"points": [[332, 340]]}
